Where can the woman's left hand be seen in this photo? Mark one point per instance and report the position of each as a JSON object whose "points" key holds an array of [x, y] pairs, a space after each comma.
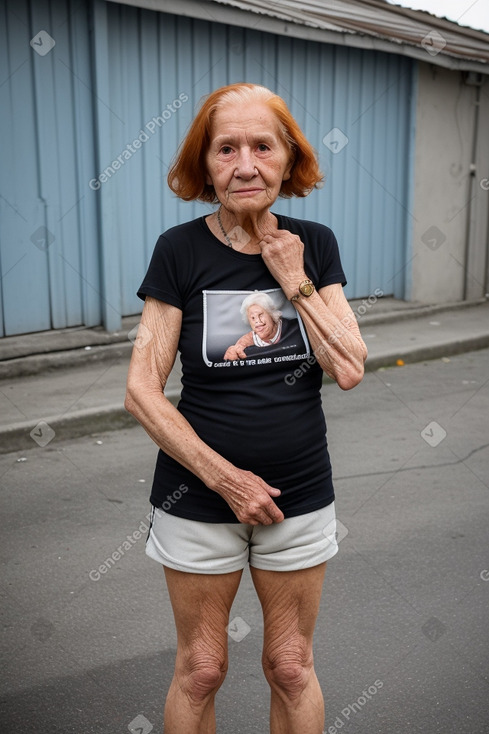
{"points": [[283, 254]]}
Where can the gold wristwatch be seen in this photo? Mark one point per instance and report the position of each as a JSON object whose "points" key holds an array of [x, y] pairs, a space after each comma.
{"points": [[306, 288]]}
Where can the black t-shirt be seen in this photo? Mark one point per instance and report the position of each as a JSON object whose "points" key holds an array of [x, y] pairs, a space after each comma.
{"points": [[262, 413]]}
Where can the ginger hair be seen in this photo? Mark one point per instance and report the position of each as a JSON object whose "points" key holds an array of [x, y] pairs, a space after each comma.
{"points": [[187, 174]]}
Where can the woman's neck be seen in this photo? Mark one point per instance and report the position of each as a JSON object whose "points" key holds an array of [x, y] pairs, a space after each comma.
{"points": [[245, 230]]}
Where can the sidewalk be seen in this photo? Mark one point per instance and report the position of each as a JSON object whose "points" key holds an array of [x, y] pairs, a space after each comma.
{"points": [[71, 382]]}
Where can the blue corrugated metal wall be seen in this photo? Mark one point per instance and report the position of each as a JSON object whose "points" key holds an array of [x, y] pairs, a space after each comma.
{"points": [[74, 245], [49, 251]]}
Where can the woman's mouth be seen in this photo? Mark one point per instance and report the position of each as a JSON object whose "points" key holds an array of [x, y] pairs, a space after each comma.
{"points": [[247, 192]]}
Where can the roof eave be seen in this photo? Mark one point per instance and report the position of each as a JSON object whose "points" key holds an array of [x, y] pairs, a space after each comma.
{"points": [[217, 13]]}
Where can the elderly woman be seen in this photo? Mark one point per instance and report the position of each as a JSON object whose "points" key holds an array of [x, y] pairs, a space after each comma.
{"points": [[243, 471], [260, 312]]}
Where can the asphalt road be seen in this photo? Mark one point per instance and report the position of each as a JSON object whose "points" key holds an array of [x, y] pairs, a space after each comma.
{"points": [[402, 641]]}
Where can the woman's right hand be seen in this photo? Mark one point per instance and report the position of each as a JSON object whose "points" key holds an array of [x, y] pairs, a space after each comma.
{"points": [[234, 352], [237, 351], [249, 497]]}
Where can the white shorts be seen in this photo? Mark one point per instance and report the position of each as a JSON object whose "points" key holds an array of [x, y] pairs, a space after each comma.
{"points": [[203, 547]]}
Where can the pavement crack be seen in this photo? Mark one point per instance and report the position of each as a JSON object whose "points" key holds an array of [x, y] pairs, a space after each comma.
{"points": [[459, 460]]}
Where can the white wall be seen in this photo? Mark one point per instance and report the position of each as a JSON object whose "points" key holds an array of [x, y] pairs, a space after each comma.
{"points": [[444, 267]]}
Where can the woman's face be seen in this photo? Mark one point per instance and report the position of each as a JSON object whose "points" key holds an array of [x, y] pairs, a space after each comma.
{"points": [[261, 322], [247, 158]]}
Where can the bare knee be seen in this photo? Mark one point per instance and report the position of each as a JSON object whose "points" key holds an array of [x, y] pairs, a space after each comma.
{"points": [[288, 671], [202, 676]]}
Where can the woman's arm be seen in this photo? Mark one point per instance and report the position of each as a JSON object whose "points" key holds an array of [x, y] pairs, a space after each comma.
{"points": [[334, 334], [152, 359], [330, 323], [237, 351]]}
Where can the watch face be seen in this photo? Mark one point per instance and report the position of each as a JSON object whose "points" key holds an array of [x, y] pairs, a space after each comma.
{"points": [[306, 289]]}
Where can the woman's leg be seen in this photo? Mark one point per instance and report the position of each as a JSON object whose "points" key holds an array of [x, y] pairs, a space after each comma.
{"points": [[201, 605], [290, 603]]}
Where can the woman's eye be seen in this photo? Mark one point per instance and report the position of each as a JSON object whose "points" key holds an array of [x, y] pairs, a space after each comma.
{"points": [[263, 147], [226, 149]]}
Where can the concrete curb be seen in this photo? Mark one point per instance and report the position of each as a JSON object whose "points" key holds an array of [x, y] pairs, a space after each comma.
{"points": [[18, 436], [90, 346], [421, 354], [22, 435], [414, 312], [36, 364]]}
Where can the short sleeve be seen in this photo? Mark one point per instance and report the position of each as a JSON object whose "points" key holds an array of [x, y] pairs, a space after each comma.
{"points": [[161, 280], [329, 260]]}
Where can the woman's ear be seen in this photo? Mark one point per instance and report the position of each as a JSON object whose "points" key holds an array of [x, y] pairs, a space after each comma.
{"points": [[287, 171]]}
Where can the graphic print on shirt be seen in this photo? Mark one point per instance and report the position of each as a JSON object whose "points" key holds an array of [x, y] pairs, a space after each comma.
{"points": [[246, 328]]}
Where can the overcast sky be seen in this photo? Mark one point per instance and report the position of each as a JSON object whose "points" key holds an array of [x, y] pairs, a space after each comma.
{"points": [[474, 13]]}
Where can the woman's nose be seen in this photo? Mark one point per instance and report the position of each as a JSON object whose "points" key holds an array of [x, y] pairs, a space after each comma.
{"points": [[246, 167]]}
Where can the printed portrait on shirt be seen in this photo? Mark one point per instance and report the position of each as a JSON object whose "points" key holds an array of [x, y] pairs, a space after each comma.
{"points": [[244, 328]]}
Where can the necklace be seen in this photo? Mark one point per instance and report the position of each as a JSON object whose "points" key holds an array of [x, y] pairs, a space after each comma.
{"points": [[226, 236]]}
